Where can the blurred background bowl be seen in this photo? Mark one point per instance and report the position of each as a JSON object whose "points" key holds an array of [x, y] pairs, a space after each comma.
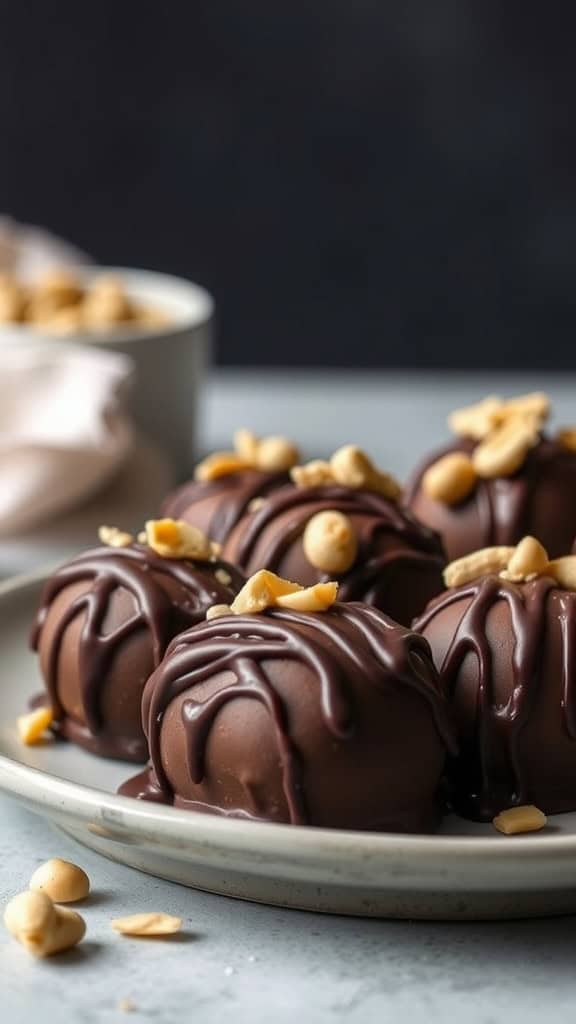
{"points": [[170, 359]]}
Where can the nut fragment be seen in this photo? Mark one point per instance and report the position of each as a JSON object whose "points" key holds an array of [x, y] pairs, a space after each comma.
{"points": [[330, 542], [482, 419], [351, 467], [246, 445], [567, 438], [563, 570], [61, 880], [318, 598], [529, 558], [536, 405], [520, 819], [479, 563], [223, 577], [260, 592], [256, 504], [450, 479], [276, 454], [266, 590], [173, 538], [33, 726], [219, 464], [114, 538], [150, 924], [478, 420], [504, 451], [217, 611], [313, 474], [40, 926]]}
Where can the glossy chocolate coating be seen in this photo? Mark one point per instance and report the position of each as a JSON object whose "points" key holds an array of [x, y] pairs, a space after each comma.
{"points": [[330, 719], [540, 500], [506, 653], [104, 623], [216, 506], [399, 564]]}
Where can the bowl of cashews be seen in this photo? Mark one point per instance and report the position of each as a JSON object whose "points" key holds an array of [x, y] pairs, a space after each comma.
{"points": [[163, 323]]}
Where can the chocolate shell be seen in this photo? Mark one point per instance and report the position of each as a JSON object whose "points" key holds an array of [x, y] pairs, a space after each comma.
{"points": [[539, 499], [399, 563], [216, 506], [506, 653], [105, 621], [331, 719]]}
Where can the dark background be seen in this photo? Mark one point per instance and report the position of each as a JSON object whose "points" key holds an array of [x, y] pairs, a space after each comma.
{"points": [[359, 183]]}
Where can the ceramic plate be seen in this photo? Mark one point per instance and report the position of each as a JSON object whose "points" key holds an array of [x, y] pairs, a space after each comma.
{"points": [[469, 871]]}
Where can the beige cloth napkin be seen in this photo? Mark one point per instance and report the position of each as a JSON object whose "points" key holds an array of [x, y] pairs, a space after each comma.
{"points": [[63, 430]]}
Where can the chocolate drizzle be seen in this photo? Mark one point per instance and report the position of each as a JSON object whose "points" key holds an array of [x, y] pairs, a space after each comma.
{"points": [[387, 534], [161, 611], [495, 773], [348, 642], [231, 495], [501, 509]]}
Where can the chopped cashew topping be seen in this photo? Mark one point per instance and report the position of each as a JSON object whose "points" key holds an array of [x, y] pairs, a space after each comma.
{"points": [[563, 570], [62, 881], [33, 726], [479, 563], [530, 558], [516, 820], [480, 420], [266, 590], [349, 467], [504, 451], [268, 454], [521, 564], [330, 542], [450, 479], [505, 432], [114, 538], [150, 924], [314, 474], [217, 611], [173, 538]]}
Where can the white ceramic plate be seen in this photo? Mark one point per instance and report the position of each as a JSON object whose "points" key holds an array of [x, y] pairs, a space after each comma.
{"points": [[467, 872]]}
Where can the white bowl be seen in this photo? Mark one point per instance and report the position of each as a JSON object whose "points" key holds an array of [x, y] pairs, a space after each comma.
{"points": [[169, 360]]}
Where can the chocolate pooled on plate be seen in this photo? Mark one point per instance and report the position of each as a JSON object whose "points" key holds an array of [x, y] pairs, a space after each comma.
{"points": [[106, 619], [343, 520], [502, 479], [227, 484], [288, 707], [503, 638]]}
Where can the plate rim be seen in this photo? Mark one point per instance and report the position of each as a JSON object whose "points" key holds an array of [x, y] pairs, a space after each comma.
{"points": [[47, 791]]}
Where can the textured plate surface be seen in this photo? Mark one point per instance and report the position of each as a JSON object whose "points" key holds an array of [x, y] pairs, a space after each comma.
{"points": [[467, 872]]}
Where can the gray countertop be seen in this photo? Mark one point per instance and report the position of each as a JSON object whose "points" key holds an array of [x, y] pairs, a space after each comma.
{"points": [[243, 962]]}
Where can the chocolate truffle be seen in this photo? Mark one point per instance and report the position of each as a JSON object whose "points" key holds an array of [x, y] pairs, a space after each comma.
{"points": [[474, 500], [226, 484], [395, 563], [505, 647], [105, 621], [330, 718]]}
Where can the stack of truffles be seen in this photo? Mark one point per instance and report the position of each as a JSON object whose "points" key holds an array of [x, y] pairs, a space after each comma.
{"points": [[289, 644]]}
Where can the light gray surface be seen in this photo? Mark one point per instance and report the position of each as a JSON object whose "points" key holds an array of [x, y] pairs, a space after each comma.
{"points": [[246, 963], [312, 968]]}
